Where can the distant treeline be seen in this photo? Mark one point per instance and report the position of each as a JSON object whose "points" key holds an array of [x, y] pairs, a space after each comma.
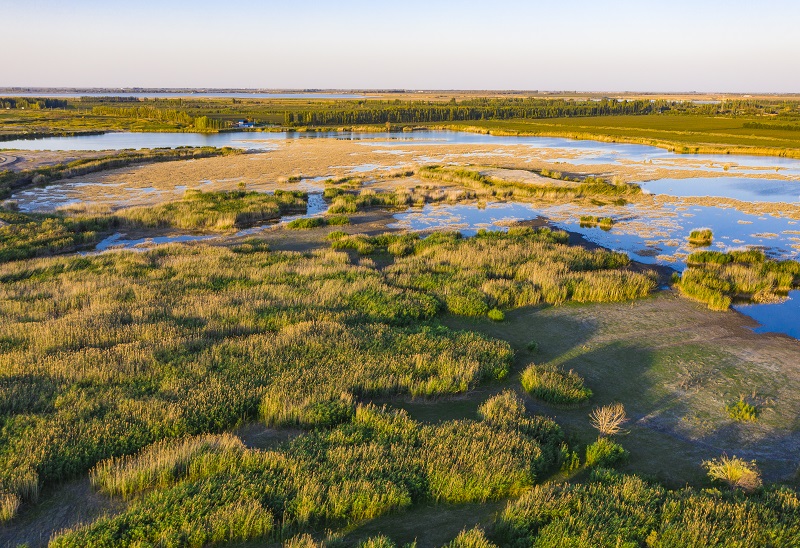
{"points": [[163, 115], [32, 103], [397, 112], [478, 109], [780, 127]]}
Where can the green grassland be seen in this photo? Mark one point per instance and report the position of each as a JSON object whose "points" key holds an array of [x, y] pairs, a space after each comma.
{"points": [[678, 133]]}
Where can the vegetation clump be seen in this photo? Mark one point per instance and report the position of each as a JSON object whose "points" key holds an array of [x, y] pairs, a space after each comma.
{"points": [[735, 472], [223, 210], [613, 509], [520, 267], [23, 236], [588, 221], [742, 411], [496, 315], [717, 279], [554, 385], [701, 237], [605, 453]]}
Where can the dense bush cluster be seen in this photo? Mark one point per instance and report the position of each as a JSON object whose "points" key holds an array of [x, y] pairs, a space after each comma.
{"points": [[209, 490], [612, 509]]}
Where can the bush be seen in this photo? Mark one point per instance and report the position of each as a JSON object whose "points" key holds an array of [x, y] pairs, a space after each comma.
{"points": [[337, 220], [605, 453], [701, 237], [496, 315], [608, 420], [555, 385], [742, 411], [735, 472], [305, 223], [474, 538]]}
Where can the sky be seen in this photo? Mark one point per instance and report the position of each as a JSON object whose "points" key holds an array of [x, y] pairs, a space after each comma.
{"points": [[581, 45]]}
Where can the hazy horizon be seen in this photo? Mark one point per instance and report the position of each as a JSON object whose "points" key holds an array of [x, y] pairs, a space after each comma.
{"points": [[703, 46]]}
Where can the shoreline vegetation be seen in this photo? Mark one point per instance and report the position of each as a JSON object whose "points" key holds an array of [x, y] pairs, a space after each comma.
{"points": [[11, 181], [734, 126]]}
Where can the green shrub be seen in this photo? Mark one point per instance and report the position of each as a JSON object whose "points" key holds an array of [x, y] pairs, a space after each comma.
{"points": [[605, 453], [337, 220], [473, 538], [742, 411], [306, 222], [496, 315], [554, 385]]}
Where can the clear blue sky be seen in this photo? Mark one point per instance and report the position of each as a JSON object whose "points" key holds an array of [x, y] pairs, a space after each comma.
{"points": [[682, 45]]}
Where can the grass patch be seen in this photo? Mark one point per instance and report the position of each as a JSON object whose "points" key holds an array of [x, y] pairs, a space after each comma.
{"points": [[224, 210], [555, 385], [23, 236]]}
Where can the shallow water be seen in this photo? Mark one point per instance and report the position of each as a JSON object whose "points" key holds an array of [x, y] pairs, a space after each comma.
{"points": [[737, 188], [776, 318], [588, 152]]}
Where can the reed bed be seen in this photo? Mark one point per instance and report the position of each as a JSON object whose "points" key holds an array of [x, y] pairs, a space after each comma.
{"points": [[519, 268], [189, 492], [223, 210], [102, 355], [613, 509], [23, 236], [718, 279]]}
